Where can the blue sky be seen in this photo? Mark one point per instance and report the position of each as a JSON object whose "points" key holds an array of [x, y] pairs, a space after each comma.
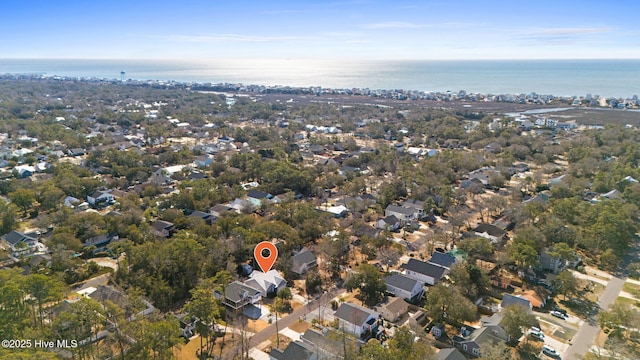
{"points": [[359, 29]]}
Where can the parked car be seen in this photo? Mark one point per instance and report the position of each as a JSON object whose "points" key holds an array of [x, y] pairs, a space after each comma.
{"points": [[549, 351], [537, 333], [563, 311], [558, 314]]}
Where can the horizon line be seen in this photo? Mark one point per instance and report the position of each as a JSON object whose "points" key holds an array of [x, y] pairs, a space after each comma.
{"points": [[316, 59]]}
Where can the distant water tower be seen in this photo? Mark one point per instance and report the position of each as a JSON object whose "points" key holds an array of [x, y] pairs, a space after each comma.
{"points": [[122, 73]]}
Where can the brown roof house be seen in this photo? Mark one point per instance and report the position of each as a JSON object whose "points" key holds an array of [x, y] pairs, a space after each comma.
{"points": [[394, 309]]}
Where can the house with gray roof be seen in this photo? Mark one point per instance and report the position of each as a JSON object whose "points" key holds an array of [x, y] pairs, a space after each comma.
{"points": [[472, 340], [417, 206], [441, 259], [295, 350], [491, 232], [206, 217], [329, 343], [238, 295], [403, 287], [511, 300], [101, 197], [403, 214], [303, 261], [424, 272], [220, 209], [162, 228], [450, 354], [20, 243], [357, 319], [390, 223]]}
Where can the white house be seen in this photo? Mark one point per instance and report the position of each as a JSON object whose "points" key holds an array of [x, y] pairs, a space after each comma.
{"points": [[303, 261], [237, 295], [257, 198], [25, 170], [403, 287], [100, 197], [269, 282], [20, 243], [404, 214], [424, 272], [356, 319]]}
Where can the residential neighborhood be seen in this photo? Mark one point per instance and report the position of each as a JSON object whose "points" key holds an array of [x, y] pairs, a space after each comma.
{"points": [[130, 211]]}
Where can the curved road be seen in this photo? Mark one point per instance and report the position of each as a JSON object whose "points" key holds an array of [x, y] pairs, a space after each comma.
{"points": [[587, 333]]}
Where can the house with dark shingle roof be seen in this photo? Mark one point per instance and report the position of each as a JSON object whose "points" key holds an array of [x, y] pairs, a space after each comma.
{"points": [[491, 232], [390, 223], [208, 218], [404, 287], [162, 228], [20, 243], [424, 272], [257, 198], [238, 295], [297, 350], [511, 300], [357, 319], [100, 197], [442, 259], [220, 209]]}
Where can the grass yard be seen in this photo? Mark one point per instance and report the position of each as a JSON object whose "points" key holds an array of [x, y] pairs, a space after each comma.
{"points": [[189, 350], [300, 326], [596, 289], [631, 288], [626, 301]]}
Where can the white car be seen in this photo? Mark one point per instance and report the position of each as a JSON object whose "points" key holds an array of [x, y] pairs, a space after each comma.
{"points": [[536, 332], [558, 314], [549, 351]]}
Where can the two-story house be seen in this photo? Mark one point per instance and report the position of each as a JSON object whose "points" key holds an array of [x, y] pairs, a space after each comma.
{"points": [[303, 261], [237, 295], [404, 287], [472, 340], [424, 272], [404, 214], [19, 243], [267, 283], [99, 197], [356, 319]]}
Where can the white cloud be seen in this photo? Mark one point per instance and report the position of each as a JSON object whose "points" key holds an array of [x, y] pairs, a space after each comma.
{"points": [[569, 31], [412, 25], [562, 36], [393, 25], [234, 38]]}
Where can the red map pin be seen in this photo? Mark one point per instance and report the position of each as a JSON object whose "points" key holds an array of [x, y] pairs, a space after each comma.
{"points": [[266, 254]]}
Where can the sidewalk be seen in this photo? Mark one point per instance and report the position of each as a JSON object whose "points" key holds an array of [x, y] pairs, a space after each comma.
{"points": [[586, 276]]}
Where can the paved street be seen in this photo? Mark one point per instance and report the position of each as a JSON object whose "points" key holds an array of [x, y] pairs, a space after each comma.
{"points": [[293, 317], [587, 333]]}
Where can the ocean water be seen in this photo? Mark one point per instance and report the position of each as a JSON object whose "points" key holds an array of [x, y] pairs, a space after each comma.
{"points": [[607, 78]]}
